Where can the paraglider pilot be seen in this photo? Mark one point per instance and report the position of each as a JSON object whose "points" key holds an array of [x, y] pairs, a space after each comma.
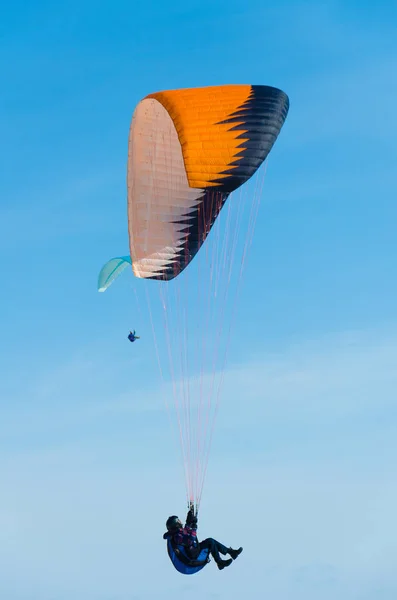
{"points": [[132, 337], [184, 540]]}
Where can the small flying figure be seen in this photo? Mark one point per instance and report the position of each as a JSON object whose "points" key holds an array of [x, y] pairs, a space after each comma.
{"points": [[132, 337]]}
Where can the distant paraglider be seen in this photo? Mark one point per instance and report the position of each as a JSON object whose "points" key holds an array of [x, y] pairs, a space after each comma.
{"points": [[132, 337]]}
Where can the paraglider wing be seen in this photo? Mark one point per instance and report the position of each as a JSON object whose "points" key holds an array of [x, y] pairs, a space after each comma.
{"points": [[111, 270], [188, 150]]}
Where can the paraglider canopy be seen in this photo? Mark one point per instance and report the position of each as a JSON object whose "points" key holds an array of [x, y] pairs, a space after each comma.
{"points": [[188, 150]]}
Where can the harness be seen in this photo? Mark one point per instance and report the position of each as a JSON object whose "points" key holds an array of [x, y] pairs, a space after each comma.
{"points": [[183, 563]]}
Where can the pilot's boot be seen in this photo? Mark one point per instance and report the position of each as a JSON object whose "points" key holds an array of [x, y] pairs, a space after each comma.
{"points": [[234, 553], [224, 563]]}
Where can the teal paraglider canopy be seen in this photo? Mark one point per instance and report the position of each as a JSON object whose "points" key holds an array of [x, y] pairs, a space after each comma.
{"points": [[112, 269]]}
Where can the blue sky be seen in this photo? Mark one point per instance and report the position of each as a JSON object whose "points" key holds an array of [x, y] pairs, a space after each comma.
{"points": [[302, 471]]}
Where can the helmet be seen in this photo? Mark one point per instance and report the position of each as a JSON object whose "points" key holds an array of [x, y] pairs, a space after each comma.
{"points": [[173, 523]]}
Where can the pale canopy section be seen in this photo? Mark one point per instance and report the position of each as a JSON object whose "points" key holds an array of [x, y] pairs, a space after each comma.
{"points": [[159, 196]]}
